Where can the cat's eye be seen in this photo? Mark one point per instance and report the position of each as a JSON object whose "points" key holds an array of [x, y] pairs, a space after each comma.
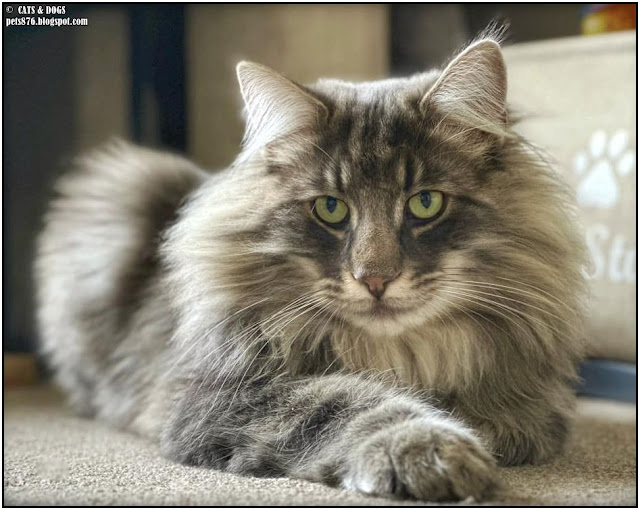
{"points": [[331, 210], [426, 205]]}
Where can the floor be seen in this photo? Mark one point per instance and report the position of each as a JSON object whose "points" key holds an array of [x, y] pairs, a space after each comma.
{"points": [[52, 457]]}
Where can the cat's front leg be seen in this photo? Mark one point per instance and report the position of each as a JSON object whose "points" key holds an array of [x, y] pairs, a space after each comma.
{"points": [[341, 429]]}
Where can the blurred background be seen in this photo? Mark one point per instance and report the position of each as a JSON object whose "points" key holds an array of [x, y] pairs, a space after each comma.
{"points": [[163, 75]]}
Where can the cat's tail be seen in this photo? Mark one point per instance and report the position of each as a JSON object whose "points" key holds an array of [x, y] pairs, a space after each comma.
{"points": [[98, 253]]}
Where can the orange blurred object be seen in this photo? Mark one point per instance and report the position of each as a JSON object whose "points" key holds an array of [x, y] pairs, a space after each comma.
{"points": [[19, 369], [601, 18]]}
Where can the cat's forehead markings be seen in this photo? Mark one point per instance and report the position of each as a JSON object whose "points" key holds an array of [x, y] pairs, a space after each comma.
{"points": [[418, 171], [345, 174], [379, 205], [336, 177], [399, 211], [332, 177], [402, 172], [410, 173]]}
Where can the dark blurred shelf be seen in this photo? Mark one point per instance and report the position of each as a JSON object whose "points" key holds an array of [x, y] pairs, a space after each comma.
{"points": [[608, 379]]}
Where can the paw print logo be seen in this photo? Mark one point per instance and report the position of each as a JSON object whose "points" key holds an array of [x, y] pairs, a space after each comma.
{"points": [[601, 167]]}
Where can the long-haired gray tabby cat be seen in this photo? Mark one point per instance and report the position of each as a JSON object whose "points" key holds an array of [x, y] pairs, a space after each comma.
{"points": [[382, 293]]}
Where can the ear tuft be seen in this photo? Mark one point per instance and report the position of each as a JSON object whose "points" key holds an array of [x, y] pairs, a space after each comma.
{"points": [[275, 105], [473, 88]]}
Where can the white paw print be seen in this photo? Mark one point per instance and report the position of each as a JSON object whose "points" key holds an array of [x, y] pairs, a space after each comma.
{"points": [[600, 167]]}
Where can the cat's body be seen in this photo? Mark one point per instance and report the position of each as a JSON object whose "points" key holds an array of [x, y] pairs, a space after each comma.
{"points": [[228, 318]]}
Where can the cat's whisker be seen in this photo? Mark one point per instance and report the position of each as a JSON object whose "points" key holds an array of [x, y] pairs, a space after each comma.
{"points": [[283, 314], [329, 320], [252, 332], [290, 341], [541, 300], [470, 288], [470, 313], [530, 319], [221, 387], [508, 288], [278, 327], [244, 375], [545, 324], [519, 282], [323, 152], [487, 305], [322, 309], [479, 296], [293, 308], [217, 326]]}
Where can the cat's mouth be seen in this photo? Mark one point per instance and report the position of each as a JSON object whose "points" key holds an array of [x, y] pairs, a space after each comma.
{"points": [[381, 317], [382, 310]]}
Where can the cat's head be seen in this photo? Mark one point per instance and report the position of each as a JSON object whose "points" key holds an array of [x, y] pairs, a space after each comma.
{"points": [[390, 205]]}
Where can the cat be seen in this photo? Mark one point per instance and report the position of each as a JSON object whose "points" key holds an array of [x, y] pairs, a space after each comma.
{"points": [[384, 292]]}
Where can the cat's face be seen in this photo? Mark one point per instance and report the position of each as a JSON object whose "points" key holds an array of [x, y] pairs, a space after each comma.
{"points": [[381, 208], [386, 193]]}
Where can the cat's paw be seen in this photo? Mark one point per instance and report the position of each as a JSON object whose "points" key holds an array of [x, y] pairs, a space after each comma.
{"points": [[429, 460]]}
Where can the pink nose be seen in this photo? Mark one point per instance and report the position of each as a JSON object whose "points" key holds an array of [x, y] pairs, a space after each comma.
{"points": [[376, 284]]}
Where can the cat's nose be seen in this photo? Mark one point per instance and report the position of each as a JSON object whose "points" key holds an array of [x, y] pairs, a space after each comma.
{"points": [[375, 284]]}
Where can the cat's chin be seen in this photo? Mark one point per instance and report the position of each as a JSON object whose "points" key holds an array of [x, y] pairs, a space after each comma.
{"points": [[381, 319], [383, 310]]}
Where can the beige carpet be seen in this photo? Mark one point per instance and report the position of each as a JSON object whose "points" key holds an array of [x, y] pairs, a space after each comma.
{"points": [[54, 458]]}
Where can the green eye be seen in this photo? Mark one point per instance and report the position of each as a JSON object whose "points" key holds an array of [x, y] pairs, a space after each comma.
{"points": [[426, 204], [331, 210]]}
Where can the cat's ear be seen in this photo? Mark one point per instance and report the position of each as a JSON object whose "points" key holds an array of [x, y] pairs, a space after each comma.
{"points": [[275, 105], [473, 88]]}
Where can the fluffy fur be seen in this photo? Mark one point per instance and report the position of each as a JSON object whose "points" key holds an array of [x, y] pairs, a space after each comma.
{"points": [[220, 316]]}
